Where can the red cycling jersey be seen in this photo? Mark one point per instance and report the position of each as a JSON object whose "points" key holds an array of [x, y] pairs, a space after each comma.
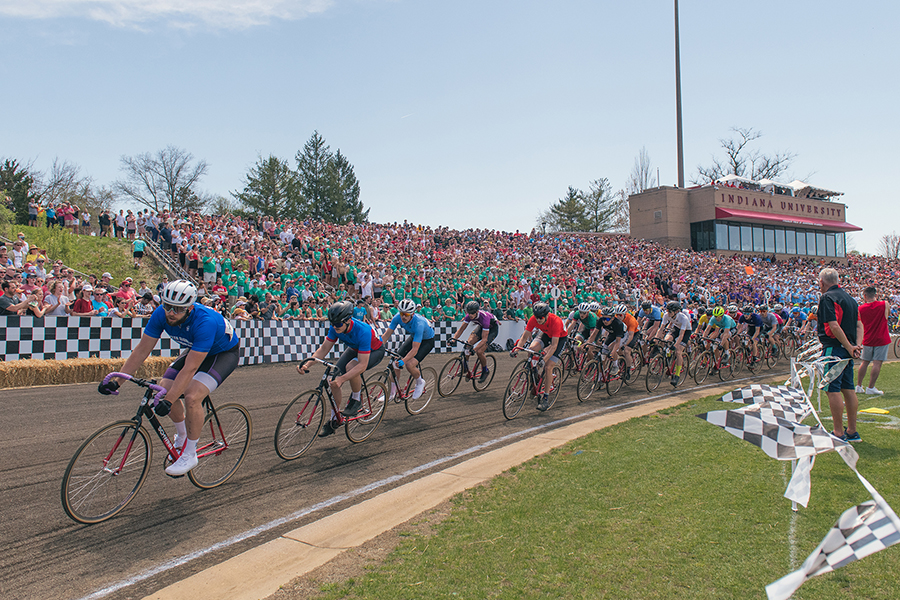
{"points": [[553, 326]]}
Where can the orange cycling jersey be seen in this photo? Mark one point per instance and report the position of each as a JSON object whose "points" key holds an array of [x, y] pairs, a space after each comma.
{"points": [[631, 323]]}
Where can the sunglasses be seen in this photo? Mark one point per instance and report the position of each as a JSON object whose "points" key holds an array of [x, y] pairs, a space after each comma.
{"points": [[405, 314], [177, 310]]}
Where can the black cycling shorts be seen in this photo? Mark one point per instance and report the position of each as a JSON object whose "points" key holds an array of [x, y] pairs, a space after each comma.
{"points": [[349, 354], [214, 369], [425, 347], [493, 332], [546, 340]]}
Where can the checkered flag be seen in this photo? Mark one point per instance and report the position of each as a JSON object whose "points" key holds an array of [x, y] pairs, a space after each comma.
{"points": [[781, 410], [800, 486], [779, 438], [753, 394], [859, 532]]}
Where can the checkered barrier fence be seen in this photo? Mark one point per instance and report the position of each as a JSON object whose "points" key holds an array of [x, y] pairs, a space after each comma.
{"points": [[60, 338]]}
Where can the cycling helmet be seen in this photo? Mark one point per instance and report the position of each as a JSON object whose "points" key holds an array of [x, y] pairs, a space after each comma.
{"points": [[763, 308], [340, 313], [749, 309], [407, 305], [673, 306], [607, 312], [814, 309], [646, 305], [180, 293], [595, 306], [620, 309], [709, 312], [584, 307], [541, 310], [778, 307], [732, 308], [718, 312]]}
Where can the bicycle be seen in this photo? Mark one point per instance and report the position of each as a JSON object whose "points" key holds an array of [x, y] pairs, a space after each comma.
{"points": [[709, 361], [772, 350], [528, 377], [597, 371], [109, 468], [304, 416], [576, 356], [662, 365], [405, 393], [742, 356], [458, 368]]}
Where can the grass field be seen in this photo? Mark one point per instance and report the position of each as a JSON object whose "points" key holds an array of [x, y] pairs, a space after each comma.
{"points": [[664, 506]]}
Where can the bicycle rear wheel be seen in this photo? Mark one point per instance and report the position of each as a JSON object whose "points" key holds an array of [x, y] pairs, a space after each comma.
{"points": [[450, 376], [656, 370], [97, 483], [416, 405], [516, 392], [222, 446], [587, 381], [637, 363], [556, 381], [374, 397], [773, 353], [703, 366], [615, 376], [896, 347], [492, 369], [299, 425]]}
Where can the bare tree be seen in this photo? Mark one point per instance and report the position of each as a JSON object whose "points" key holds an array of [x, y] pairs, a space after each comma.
{"points": [[621, 218], [64, 183], [165, 180], [641, 178], [889, 245], [744, 162]]}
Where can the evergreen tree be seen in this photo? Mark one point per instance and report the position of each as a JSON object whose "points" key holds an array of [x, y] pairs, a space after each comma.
{"points": [[599, 207], [18, 184], [313, 178], [271, 188], [344, 189], [567, 214]]}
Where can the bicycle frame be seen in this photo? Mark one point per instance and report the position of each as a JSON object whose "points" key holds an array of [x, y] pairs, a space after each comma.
{"points": [[324, 387]]}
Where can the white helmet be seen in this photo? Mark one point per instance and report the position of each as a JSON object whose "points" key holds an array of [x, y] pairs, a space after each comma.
{"points": [[595, 306], [584, 307], [407, 305], [621, 309], [180, 293]]}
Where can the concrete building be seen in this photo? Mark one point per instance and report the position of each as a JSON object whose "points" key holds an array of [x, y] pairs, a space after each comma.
{"points": [[762, 218]]}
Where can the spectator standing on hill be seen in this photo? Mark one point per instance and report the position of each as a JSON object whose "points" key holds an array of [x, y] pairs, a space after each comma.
{"points": [[876, 339], [104, 222], [120, 224], [33, 208], [85, 222], [838, 329], [137, 252]]}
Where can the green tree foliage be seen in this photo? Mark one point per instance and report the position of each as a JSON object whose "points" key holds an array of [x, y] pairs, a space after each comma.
{"points": [[599, 207], [316, 187], [18, 185], [597, 210], [271, 188], [344, 188]]}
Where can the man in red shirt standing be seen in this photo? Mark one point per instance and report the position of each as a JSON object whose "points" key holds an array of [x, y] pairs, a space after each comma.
{"points": [[553, 338], [876, 339]]}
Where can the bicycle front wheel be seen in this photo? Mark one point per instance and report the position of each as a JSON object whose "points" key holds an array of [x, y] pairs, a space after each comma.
{"points": [[772, 355], [516, 392], [615, 375], [479, 385], [451, 374], [106, 472], [587, 381], [416, 405], [656, 370], [299, 425], [702, 367], [374, 397], [223, 445], [556, 381]]}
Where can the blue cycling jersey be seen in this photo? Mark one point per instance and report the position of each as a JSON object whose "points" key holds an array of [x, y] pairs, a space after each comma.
{"points": [[723, 322], [751, 319], [204, 330], [418, 326], [359, 336], [655, 314]]}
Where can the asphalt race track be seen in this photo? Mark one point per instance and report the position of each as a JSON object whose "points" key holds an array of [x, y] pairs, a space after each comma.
{"points": [[144, 548]]}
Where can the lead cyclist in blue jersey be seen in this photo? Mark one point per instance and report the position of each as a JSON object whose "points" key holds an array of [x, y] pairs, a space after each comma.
{"points": [[211, 353], [416, 347]]}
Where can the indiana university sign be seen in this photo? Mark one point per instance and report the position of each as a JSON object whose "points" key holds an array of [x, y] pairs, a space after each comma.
{"points": [[766, 203]]}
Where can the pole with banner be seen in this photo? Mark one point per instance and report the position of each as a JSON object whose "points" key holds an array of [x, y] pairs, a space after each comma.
{"points": [[555, 293]]}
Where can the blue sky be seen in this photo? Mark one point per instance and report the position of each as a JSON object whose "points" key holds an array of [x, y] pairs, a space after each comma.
{"points": [[462, 113]]}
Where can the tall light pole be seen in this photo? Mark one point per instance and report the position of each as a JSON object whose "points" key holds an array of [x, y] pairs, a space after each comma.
{"points": [[678, 102]]}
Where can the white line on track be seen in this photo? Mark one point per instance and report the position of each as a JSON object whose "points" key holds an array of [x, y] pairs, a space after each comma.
{"points": [[181, 560]]}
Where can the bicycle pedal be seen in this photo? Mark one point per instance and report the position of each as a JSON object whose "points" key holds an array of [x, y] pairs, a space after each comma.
{"points": [[173, 476]]}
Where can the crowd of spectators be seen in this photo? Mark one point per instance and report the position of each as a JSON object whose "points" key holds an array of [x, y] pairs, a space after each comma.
{"points": [[294, 270]]}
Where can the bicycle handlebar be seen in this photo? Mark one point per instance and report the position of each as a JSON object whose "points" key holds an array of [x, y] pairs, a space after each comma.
{"points": [[160, 390]]}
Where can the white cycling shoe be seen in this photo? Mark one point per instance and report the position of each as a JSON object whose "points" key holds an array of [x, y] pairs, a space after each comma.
{"points": [[185, 463], [420, 388]]}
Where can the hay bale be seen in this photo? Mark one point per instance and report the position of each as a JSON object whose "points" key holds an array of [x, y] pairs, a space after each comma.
{"points": [[30, 372]]}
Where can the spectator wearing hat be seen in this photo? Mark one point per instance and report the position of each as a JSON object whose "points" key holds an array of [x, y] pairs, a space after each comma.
{"points": [[126, 291], [82, 306], [162, 284], [145, 306]]}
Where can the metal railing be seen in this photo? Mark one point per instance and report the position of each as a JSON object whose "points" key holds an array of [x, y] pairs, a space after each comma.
{"points": [[172, 267]]}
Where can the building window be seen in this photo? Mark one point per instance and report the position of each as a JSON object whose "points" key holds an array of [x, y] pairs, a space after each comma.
{"points": [[811, 243], [758, 240], [722, 236], [657, 216], [734, 237], [829, 244], [779, 242], [839, 245], [820, 244], [801, 243], [746, 238], [790, 241]]}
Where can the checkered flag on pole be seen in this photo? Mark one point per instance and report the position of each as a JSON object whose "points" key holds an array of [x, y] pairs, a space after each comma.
{"points": [[860, 531], [755, 393]]}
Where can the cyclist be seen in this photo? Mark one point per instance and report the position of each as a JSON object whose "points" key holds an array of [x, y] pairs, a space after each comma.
{"points": [[212, 350], [416, 347], [583, 324], [486, 329], [615, 333], [628, 341], [364, 351], [750, 323], [720, 327], [650, 318], [553, 337], [770, 325], [677, 326]]}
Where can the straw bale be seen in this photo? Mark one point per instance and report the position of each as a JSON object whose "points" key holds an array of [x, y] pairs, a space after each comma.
{"points": [[30, 372]]}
